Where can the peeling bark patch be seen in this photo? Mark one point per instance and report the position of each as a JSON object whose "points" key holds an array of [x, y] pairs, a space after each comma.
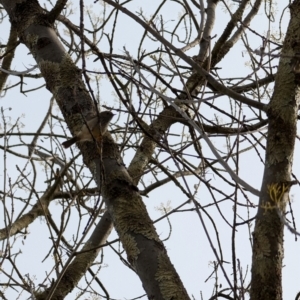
{"points": [[51, 71], [169, 282], [132, 217], [69, 72], [131, 248]]}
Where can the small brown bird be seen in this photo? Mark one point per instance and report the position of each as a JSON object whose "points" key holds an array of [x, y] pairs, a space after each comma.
{"points": [[96, 126]]}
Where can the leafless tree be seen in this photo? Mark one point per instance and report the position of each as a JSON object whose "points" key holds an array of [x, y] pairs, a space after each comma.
{"points": [[184, 125]]}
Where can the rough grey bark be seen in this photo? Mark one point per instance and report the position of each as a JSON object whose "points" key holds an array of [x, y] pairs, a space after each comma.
{"points": [[282, 113]]}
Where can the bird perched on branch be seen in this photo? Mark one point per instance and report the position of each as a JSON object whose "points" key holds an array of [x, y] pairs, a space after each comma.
{"points": [[94, 128]]}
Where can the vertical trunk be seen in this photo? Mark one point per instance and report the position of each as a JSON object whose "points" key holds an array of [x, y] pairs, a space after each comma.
{"points": [[282, 112]]}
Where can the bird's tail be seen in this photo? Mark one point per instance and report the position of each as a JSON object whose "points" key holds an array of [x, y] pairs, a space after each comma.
{"points": [[70, 142]]}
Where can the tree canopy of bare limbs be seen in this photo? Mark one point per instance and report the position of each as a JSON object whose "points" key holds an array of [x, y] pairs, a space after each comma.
{"points": [[205, 98]]}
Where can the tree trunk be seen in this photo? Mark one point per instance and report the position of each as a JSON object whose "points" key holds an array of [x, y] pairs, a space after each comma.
{"points": [[282, 113]]}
